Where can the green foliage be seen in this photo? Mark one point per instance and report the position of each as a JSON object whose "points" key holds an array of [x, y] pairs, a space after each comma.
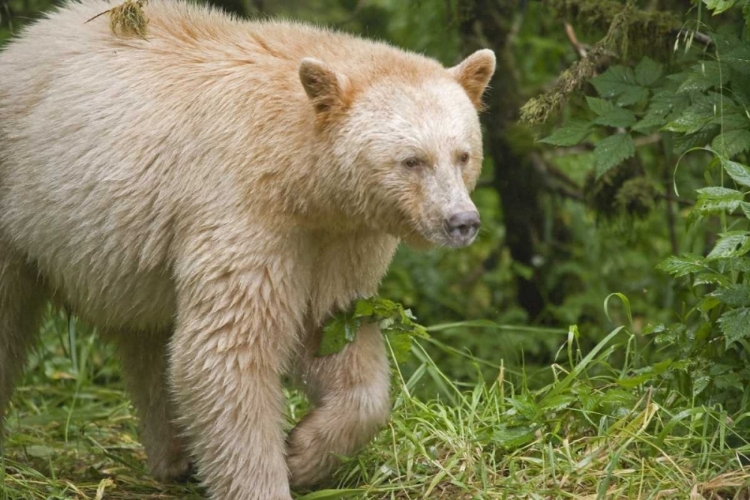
{"points": [[714, 333], [601, 417], [612, 151], [397, 323]]}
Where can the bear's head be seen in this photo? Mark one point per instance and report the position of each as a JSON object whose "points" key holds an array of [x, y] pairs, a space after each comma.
{"points": [[404, 144]]}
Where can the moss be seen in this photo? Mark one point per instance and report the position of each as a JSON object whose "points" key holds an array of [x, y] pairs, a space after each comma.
{"points": [[539, 109], [127, 19], [636, 198], [640, 29], [629, 32], [624, 191]]}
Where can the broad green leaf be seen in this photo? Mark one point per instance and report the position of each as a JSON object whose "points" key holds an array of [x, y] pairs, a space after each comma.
{"points": [[705, 75], [647, 72], [335, 335], [681, 265], [618, 399], [707, 303], [732, 120], [711, 279], [719, 193], [513, 437], [713, 200], [614, 82], [736, 295], [397, 324], [737, 171], [739, 58], [664, 107], [609, 114], [632, 96], [400, 343], [557, 402], [735, 325], [719, 6], [524, 406], [691, 120], [612, 151], [600, 106], [731, 143], [731, 244], [570, 134], [701, 138]]}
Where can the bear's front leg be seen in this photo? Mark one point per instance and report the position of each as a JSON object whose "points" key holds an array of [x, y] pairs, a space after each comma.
{"points": [[236, 328], [350, 391]]}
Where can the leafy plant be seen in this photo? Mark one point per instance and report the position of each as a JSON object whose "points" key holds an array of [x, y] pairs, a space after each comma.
{"points": [[398, 324]]}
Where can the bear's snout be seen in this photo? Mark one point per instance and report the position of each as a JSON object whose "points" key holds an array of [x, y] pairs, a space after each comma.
{"points": [[462, 227]]}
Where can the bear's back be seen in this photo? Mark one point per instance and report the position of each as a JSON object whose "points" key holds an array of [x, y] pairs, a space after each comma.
{"points": [[110, 145]]}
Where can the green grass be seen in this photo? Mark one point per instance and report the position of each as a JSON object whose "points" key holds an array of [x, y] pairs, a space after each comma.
{"points": [[598, 431]]}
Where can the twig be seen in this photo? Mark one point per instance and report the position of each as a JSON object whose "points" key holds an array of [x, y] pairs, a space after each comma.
{"points": [[580, 49], [696, 35]]}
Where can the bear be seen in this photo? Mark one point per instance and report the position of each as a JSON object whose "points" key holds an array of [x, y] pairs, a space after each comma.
{"points": [[207, 196]]}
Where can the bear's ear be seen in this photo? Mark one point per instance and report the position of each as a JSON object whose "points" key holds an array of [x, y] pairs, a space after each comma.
{"points": [[326, 88], [474, 73]]}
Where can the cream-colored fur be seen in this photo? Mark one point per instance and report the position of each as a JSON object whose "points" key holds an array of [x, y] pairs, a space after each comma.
{"points": [[207, 198]]}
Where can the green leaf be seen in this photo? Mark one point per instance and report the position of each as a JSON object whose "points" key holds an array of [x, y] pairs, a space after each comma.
{"points": [[400, 343], [735, 295], [731, 244], [732, 120], [711, 279], [705, 75], [609, 114], [557, 402], [739, 58], [600, 106], [614, 82], [719, 6], [647, 72], [572, 133], [731, 143], [632, 96], [702, 138], [681, 265], [513, 437], [735, 325], [664, 107], [691, 120], [337, 332], [714, 200], [612, 151], [397, 323], [737, 171]]}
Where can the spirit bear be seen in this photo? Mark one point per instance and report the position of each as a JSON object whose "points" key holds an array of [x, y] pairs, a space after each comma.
{"points": [[207, 197]]}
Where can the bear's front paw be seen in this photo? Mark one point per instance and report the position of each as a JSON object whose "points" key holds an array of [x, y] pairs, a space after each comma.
{"points": [[178, 469], [172, 464], [308, 457]]}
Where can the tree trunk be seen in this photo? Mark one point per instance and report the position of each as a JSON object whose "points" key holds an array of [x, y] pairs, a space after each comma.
{"points": [[488, 24]]}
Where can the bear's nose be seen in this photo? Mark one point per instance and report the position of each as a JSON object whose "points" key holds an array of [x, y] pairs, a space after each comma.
{"points": [[463, 226]]}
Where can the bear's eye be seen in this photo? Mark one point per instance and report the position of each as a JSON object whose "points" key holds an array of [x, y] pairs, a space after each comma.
{"points": [[463, 158], [412, 162]]}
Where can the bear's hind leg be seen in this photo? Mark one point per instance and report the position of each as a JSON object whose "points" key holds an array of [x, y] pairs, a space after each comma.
{"points": [[21, 306], [144, 357], [350, 391]]}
